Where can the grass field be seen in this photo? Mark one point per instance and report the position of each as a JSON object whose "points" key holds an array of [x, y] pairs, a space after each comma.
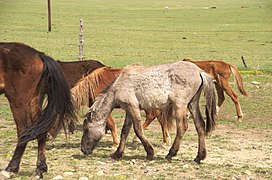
{"points": [[123, 32]]}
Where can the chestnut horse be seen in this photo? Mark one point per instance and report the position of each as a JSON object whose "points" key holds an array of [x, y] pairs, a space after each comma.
{"points": [[221, 72], [26, 77], [176, 86]]}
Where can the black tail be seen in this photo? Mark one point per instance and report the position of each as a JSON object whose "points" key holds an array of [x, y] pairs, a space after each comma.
{"points": [[59, 103]]}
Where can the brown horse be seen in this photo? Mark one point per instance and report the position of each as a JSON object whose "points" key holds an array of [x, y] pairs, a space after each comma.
{"points": [[27, 76], [74, 71], [221, 71]]}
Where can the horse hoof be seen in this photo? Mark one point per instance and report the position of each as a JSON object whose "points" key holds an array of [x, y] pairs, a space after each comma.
{"points": [[239, 120], [114, 156], [114, 146], [37, 177], [197, 160], [150, 158], [168, 158], [6, 175]]}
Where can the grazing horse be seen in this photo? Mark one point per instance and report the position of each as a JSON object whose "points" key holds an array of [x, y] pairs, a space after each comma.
{"points": [[176, 86], [221, 71], [27, 76], [87, 89]]}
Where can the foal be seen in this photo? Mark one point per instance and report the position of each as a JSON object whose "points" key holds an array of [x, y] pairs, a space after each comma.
{"points": [[221, 71]]}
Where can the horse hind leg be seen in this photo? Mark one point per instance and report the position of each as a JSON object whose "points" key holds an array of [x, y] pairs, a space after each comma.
{"points": [[234, 98], [200, 128], [13, 166], [41, 159], [182, 126]]}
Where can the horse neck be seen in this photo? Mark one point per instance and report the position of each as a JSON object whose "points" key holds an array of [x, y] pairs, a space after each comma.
{"points": [[102, 108]]}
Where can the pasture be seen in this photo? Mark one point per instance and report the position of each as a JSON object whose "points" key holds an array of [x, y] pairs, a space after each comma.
{"points": [[119, 33]]}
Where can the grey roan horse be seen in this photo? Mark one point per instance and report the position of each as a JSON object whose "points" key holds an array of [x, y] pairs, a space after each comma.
{"points": [[172, 88]]}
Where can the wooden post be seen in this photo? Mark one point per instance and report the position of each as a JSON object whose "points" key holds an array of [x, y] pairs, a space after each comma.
{"points": [[49, 15], [81, 40], [244, 62]]}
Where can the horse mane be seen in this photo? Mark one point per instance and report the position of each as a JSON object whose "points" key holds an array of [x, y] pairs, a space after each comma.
{"points": [[88, 87]]}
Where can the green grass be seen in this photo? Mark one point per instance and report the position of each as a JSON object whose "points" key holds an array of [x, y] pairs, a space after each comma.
{"points": [[122, 32]]}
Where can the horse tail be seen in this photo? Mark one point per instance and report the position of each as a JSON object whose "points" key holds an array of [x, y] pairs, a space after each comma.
{"points": [[59, 102], [90, 86], [210, 96], [166, 118], [238, 79]]}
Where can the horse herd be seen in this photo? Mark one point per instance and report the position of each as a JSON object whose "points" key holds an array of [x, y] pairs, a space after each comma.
{"points": [[45, 94]]}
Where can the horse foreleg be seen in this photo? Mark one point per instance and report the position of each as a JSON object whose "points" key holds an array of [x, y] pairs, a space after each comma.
{"points": [[112, 127], [41, 160], [124, 134], [182, 126], [150, 117], [140, 134]]}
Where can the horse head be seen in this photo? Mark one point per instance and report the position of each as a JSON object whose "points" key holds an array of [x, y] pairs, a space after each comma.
{"points": [[92, 133]]}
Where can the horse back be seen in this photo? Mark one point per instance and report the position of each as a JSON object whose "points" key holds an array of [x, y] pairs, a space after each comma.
{"points": [[19, 67], [214, 67], [75, 70], [155, 87]]}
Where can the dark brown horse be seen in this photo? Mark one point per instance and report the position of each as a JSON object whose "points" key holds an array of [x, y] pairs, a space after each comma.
{"points": [[73, 71], [27, 76]]}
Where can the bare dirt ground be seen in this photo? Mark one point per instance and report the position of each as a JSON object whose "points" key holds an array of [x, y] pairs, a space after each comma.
{"points": [[233, 152]]}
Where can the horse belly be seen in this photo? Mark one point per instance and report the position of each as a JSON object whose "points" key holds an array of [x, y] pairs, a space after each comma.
{"points": [[153, 102]]}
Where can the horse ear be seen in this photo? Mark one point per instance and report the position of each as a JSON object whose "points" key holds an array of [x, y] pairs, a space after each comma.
{"points": [[187, 59], [88, 115]]}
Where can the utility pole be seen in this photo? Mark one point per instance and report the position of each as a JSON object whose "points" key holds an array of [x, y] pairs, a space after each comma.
{"points": [[49, 15]]}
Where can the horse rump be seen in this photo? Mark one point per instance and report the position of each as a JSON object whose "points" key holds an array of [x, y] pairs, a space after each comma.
{"points": [[59, 102]]}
